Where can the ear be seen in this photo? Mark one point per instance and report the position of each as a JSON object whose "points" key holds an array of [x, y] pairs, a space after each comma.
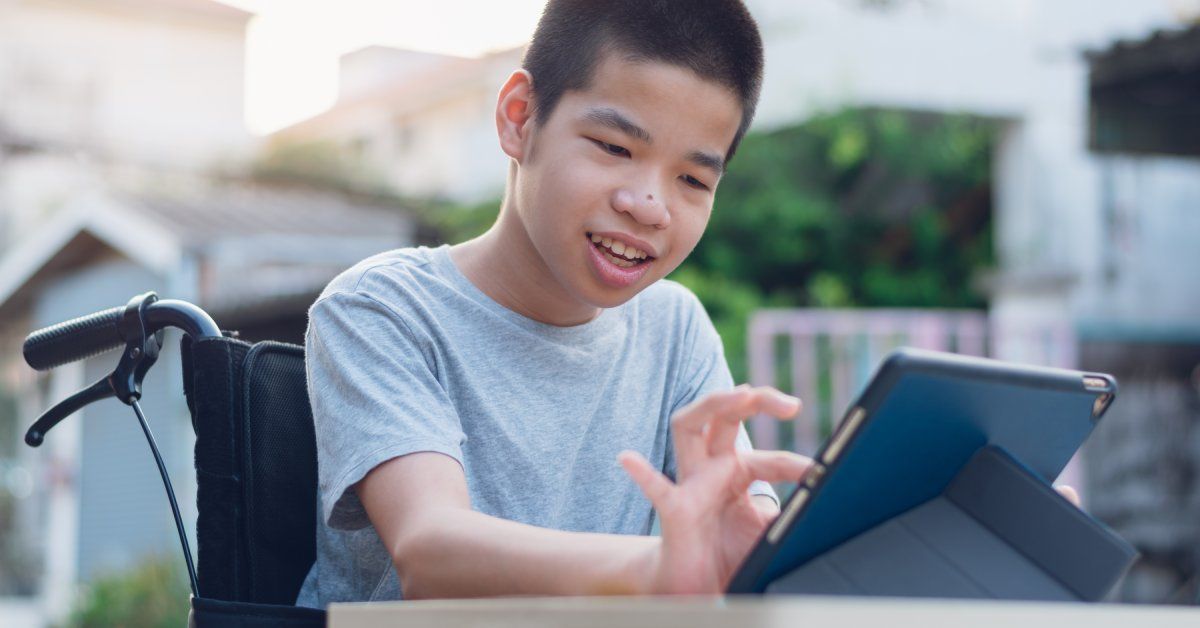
{"points": [[513, 117]]}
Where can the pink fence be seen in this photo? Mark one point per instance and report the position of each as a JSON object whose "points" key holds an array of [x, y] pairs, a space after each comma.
{"points": [[826, 356]]}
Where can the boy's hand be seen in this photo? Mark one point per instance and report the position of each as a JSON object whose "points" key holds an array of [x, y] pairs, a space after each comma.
{"points": [[709, 522]]}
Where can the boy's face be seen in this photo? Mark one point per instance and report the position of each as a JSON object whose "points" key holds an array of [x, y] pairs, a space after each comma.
{"points": [[633, 161]]}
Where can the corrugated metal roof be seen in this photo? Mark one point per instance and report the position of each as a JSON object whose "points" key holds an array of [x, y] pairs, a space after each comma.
{"points": [[265, 249], [204, 216], [1144, 96], [1165, 51], [256, 250]]}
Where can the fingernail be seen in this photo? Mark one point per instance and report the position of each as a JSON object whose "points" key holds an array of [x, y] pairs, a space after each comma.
{"points": [[786, 397]]}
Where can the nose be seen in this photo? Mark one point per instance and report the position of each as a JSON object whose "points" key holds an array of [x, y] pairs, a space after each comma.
{"points": [[645, 207]]}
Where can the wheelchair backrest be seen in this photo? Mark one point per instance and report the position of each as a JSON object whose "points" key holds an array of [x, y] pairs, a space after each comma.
{"points": [[256, 468]]}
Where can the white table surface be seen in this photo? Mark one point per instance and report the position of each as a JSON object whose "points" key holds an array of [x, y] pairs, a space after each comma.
{"points": [[781, 612]]}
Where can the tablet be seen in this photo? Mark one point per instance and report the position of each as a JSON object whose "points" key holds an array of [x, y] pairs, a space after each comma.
{"points": [[918, 422]]}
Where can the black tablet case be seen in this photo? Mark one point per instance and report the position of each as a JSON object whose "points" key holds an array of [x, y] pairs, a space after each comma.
{"points": [[997, 531]]}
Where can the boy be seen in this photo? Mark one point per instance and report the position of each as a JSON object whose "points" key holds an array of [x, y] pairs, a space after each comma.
{"points": [[471, 402]]}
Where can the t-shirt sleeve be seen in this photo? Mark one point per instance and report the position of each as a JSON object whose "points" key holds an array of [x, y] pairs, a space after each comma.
{"points": [[707, 371], [375, 395]]}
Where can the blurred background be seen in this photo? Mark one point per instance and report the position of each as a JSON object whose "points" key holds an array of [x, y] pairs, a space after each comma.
{"points": [[1013, 178]]}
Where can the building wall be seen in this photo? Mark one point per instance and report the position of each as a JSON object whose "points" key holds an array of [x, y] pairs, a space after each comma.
{"points": [[427, 132], [363, 70], [450, 150], [1147, 249], [1020, 62], [988, 58], [35, 185], [92, 87], [123, 80]]}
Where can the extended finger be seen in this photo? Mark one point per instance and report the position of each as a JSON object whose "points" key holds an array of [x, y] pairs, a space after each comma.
{"points": [[687, 425], [743, 399], [654, 484], [776, 466], [722, 434], [1070, 493]]}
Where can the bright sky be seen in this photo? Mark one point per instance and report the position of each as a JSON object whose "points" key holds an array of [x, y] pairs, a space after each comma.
{"points": [[293, 45]]}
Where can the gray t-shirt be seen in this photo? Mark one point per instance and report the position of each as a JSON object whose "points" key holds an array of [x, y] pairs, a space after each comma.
{"points": [[405, 354]]}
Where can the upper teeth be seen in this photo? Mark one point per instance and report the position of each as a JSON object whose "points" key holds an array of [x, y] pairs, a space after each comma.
{"points": [[619, 247]]}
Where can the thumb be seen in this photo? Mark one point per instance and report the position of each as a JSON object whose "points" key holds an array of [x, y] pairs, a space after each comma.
{"points": [[656, 486]]}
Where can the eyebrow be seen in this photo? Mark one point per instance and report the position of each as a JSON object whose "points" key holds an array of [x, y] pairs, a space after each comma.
{"points": [[707, 160], [613, 119]]}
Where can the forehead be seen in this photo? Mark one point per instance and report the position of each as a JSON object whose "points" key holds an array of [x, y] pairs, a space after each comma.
{"points": [[673, 103]]}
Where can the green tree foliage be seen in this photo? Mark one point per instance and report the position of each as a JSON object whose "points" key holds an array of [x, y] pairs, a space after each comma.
{"points": [[457, 223], [858, 208], [153, 594], [321, 164]]}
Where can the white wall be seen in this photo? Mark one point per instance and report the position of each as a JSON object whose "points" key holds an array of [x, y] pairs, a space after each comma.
{"points": [[90, 88], [363, 70], [452, 149], [123, 81], [1147, 252], [429, 136], [986, 57]]}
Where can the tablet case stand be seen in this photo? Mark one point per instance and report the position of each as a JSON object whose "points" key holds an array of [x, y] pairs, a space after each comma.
{"points": [[997, 531]]}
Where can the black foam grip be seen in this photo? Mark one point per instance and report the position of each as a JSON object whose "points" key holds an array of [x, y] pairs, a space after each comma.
{"points": [[73, 340]]}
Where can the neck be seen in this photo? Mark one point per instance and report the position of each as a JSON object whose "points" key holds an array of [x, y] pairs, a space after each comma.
{"points": [[505, 266]]}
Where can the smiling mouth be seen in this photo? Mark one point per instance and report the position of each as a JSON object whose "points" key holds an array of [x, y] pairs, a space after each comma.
{"points": [[627, 258]]}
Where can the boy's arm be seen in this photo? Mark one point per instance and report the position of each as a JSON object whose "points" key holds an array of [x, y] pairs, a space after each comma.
{"points": [[420, 508]]}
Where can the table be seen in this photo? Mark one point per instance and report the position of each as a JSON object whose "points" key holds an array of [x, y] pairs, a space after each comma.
{"points": [[768, 612]]}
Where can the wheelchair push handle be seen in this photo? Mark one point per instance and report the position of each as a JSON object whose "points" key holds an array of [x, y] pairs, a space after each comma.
{"points": [[90, 335], [73, 340]]}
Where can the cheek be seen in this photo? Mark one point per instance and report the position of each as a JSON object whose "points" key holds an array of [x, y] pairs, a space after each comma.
{"points": [[691, 227], [569, 192]]}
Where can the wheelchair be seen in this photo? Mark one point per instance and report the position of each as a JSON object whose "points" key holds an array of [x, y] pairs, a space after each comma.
{"points": [[255, 452]]}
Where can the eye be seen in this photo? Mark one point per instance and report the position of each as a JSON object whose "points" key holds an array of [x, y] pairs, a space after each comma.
{"points": [[694, 182], [613, 149]]}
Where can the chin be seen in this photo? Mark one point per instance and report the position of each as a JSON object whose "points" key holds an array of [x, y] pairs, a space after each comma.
{"points": [[614, 300], [606, 297]]}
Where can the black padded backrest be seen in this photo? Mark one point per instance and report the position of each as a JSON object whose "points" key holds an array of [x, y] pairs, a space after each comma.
{"points": [[256, 469]]}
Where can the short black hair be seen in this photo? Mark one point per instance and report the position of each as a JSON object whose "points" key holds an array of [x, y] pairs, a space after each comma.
{"points": [[716, 39]]}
